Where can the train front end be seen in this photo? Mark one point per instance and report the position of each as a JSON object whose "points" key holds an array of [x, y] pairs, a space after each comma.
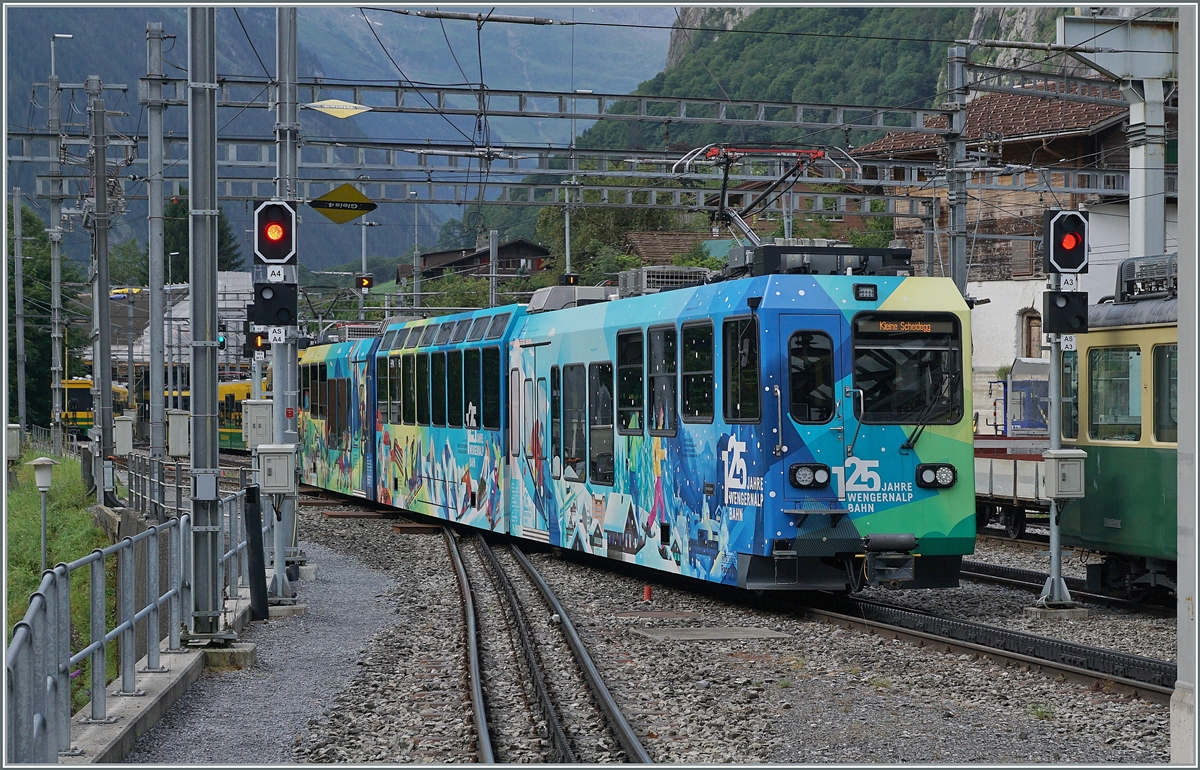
{"points": [[866, 441]]}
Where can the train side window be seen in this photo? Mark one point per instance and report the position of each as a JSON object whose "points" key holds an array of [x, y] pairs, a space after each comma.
{"points": [[427, 337], [479, 328], [305, 386], [530, 415], [601, 460], [322, 387], [473, 403], [386, 342], [395, 391], [410, 389], [697, 373], [497, 327], [1115, 393], [539, 428], [740, 353], [401, 338], [460, 330], [575, 423], [423, 388], [514, 412], [414, 336], [444, 333], [454, 388], [555, 423], [631, 387], [491, 388], [1166, 393], [810, 377], [1070, 394], [381, 387], [663, 368], [437, 375]]}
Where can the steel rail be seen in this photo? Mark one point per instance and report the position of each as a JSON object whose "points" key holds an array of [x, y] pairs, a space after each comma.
{"points": [[620, 725], [1143, 677], [554, 726], [1033, 580], [483, 746]]}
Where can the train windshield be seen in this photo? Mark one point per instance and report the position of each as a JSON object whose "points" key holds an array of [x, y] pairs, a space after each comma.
{"points": [[909, 368]]}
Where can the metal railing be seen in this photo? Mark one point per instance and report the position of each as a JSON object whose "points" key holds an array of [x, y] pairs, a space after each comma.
{"points": [[40, 438], [39, 659]]}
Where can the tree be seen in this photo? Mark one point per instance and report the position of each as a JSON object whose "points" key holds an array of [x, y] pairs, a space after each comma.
{"points": [[177, 236], [698, 256], [128, 264], [38, 342]]}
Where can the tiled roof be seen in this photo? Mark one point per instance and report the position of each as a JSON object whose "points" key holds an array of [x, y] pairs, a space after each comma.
{"points": [[1004, 117], [657, 248]]}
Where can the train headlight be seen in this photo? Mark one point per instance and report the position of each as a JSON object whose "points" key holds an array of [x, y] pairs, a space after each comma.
{"points": [[936, 475], [809, 476]]}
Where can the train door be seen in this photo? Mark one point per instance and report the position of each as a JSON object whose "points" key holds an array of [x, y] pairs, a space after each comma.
{"points": [[814, 410], [360, 436]]}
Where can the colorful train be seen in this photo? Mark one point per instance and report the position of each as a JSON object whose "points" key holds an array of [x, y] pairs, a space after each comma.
{"points": [[1121, 395], [794, 431]]}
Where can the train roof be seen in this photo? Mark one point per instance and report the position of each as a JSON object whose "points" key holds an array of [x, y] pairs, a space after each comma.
{"points": [[1140, 313]]}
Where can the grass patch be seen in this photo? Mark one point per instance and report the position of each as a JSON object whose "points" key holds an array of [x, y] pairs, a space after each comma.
{"points": [[1041, 711], [71, 534], [785, 683], [881, 683]]}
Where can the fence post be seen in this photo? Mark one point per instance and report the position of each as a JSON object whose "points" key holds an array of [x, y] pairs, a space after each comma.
{"points": [[63, 656], [185, 563], [174, 580], [153, 638], [125, 590], [98, 663]]}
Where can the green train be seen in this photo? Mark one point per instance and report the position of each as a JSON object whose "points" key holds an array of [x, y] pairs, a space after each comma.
{"points": [[1120, 404]]}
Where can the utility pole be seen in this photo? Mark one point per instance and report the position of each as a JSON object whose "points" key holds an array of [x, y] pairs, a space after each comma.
{"points": [[956, 179], [102, 356], [155, 241], [416, 253], [362, 298], [19, 298], [129, 344], [55, 232], [202, 215], [493, 255]]}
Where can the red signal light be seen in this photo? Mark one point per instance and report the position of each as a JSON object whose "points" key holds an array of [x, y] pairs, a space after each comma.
{"points": [[274, 232], [1071, 241]]}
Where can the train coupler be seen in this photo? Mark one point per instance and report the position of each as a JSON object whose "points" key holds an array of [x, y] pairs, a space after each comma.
{"points": [[889, 559]]}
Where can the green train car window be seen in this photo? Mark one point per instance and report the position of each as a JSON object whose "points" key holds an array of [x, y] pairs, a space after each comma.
{"points": [[1166, 393], [1115, 394], [1070, 394]]}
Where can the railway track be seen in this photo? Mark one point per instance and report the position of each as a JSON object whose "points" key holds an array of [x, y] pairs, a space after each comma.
{"points": [[529, 673], [1100, 669], [1032, 580]]}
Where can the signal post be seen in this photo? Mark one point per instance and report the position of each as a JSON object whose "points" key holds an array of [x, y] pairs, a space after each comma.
{"points": [[1065, 255]]}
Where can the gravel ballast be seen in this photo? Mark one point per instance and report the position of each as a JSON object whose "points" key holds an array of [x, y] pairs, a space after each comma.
{"points": [[819, 694]]}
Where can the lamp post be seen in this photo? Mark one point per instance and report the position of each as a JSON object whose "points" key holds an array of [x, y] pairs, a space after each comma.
{"points": [[56, 36], [43, 473]]}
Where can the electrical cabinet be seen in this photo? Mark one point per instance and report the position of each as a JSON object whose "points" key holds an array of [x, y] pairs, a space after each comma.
{"points": [[178, 433], [277, 469], [122, 436], [12, 443], [1064, 472], [257, 422]]}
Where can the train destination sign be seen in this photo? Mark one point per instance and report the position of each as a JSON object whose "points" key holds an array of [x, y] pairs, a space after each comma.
{"points": [[907, 326], [343, 204]]}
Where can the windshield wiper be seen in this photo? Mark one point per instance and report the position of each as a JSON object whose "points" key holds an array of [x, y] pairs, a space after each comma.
{"points": [[927, 414]]}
